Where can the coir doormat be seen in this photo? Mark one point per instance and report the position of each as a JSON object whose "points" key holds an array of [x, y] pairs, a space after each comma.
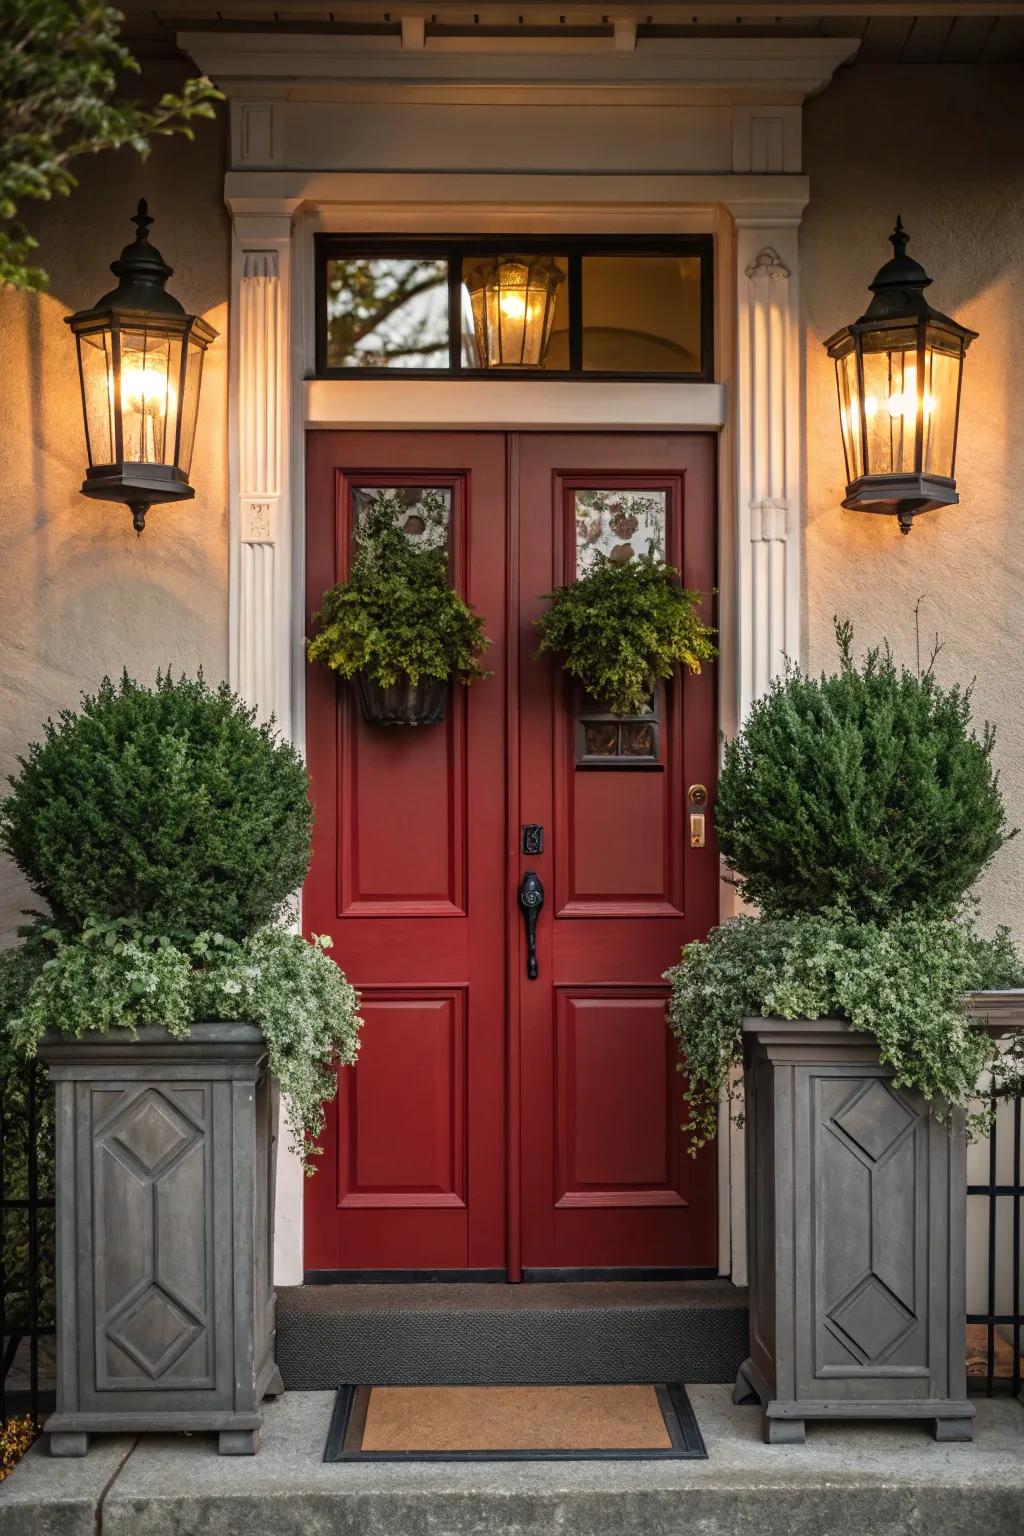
{"points": [[634, 1423]]}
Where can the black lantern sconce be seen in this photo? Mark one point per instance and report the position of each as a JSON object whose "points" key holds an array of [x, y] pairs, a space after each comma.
{"points": [[513, 303], [898, 370], [140, 364]]}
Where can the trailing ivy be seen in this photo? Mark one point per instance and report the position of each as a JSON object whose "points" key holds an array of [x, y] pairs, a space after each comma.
{"points": [[904, 981], [398, 614], [117, 975], [621, 627], [867, 789]]}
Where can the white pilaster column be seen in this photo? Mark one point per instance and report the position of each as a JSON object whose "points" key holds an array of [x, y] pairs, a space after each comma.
{"points": [[768, 427], [261, 614], [260, 640]]}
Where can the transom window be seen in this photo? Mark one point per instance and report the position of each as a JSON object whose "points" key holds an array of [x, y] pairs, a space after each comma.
{"points": [[597, 308]]}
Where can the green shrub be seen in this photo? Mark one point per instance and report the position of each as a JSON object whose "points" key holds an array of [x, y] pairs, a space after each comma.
{"points": [[117, 975], [867, 789], [904, 981], [398, 614], [168, 804], [619, 628]]}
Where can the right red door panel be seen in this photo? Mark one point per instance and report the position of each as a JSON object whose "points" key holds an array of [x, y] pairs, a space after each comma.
{"points": [[607, 1179]]}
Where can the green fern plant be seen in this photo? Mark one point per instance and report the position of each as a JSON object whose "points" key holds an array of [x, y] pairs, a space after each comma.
{"points": [[398, 616], [621, 628]]}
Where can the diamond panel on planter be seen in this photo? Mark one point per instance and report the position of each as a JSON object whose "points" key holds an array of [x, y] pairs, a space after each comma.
{"points": [[151, 1131], [155, 1333], [872, 1319], [874, 1119]]}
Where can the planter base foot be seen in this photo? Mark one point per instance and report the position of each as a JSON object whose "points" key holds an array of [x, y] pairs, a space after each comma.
{"points": [[238, 1442], [275, 1386], [745, 1391], [954, 1429], [784, 1431], [64, 1443]]}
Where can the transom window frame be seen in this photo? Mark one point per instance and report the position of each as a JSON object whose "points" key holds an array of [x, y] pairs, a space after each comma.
{"points": [[456, 248]]}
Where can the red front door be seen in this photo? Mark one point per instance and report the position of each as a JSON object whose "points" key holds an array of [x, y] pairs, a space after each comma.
{"points": [[494, 1122]]}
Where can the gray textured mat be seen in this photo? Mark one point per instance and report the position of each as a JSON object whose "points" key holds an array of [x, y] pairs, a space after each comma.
{"points": [[418, 1335]]}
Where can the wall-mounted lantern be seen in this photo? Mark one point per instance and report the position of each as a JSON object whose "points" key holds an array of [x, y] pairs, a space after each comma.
{"points": [[898, 369], [513, 301], [140, 364]]}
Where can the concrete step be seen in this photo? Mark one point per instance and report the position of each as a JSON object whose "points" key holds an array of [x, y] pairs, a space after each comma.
{"points": [[516, 1335], [848, 1480]]}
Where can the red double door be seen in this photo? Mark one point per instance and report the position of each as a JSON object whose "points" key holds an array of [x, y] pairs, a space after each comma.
{"points": [[497, 1123]]}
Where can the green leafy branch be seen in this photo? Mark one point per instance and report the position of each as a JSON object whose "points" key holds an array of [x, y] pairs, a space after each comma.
{"points": [[60, 62]]}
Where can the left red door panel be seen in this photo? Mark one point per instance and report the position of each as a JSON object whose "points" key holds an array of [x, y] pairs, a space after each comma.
{"points": [[408, 878]]}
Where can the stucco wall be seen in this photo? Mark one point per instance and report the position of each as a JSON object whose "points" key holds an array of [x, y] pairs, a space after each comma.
{"points": [[943, 146], [80, 594]]}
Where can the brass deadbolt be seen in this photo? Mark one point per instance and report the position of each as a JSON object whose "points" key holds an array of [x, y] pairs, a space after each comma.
{"points": [[697, 795]]}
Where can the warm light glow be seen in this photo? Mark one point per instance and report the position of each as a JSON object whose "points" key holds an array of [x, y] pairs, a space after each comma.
{"points": [[514, 306], [148, 402], [146, 390]]}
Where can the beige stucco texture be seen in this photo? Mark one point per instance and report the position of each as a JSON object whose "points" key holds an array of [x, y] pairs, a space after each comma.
{"points": [[944, 147], [80, 594]]}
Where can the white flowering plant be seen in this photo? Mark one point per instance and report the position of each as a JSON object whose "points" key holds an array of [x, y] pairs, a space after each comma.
{"points": [[114, 974]]}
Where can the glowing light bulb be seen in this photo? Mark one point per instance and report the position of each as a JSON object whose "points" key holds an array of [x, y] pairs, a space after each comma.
{"points": [[513, 306], [146, 390], [148, 395]]}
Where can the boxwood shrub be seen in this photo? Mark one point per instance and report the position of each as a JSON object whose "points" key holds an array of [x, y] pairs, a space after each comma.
{"points": [[167, 804]]}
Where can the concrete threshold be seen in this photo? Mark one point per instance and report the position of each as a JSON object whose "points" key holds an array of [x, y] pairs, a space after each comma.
{"points": [[848, 1480]]}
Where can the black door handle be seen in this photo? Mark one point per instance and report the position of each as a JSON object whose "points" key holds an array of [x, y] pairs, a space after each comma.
{"points": [[531, 899]]}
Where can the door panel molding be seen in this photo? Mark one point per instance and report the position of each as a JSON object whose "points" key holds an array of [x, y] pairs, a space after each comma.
{"points": [[588, 1068], [423, 1056]]}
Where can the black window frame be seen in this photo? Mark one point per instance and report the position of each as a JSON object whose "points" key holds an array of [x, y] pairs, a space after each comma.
{"points": [[455, 249]]}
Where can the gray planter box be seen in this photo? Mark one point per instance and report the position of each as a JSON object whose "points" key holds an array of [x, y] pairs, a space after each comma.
{"points": [[164, 1187], [856, 1202]]}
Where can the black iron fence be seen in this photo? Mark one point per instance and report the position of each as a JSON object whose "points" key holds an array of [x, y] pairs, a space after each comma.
{"points": [[26, 1242], [995, 1327]]}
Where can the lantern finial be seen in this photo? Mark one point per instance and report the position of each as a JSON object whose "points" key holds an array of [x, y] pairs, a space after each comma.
{"points": [[141, 219]]}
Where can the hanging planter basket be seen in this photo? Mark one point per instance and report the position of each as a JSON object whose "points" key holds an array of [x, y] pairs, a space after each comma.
{"points": [[403, 702]]}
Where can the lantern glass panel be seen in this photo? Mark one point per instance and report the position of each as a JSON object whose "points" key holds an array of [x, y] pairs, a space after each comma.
{"points": [[943, 360], [94, 360], [849, 412], [190, 403], [149, 381], [516, 305], [890, 399]]}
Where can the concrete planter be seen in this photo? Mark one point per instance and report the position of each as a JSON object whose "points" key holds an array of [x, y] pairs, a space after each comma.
{"points": [[856, 1201], [164, 1186]]}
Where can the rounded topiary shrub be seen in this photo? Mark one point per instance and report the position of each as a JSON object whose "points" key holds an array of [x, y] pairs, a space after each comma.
{"points": [[867, 789], [166, 804]]}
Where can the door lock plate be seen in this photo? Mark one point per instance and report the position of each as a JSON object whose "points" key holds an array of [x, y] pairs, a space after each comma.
{"points": [[533, 838]]}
